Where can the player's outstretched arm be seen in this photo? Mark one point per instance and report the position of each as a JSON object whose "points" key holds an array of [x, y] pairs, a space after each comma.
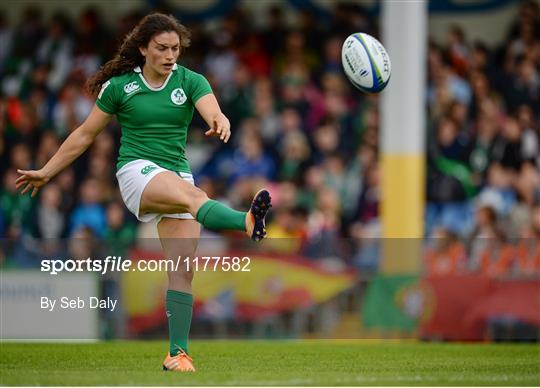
{"points": [[74, 145], [210, 111]]}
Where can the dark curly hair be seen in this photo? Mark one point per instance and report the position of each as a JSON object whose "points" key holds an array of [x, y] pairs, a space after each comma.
{"points": [[128, 56]]}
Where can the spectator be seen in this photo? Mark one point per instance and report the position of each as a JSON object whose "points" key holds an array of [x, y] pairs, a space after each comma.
{"points": [[89, 213], [498, 193], [14, 207], [72, 108], [288, 229], [82, 245], [264, 111], [497, 256], [47, 148], [24, 42], [366, 239], [250, 160], [237, 96], [528, 253], [55, 51], [326, 140], [323, 227], [254, 56], [485, 239], [368, 207], [445, 254], [294, 156], [274, 35], [50, 221], [6, 40], [525, 85], [332, 55], [530, 137], [121, 232], [458, 51], [27, 128], [508, 150], [90, 47], [221, 61]]}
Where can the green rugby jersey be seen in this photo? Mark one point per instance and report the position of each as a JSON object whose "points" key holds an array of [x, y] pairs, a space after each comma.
{"points": [[154, 121]]}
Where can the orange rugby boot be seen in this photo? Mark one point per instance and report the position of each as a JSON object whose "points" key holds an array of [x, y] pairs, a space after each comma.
{"points": [[179, 363]]}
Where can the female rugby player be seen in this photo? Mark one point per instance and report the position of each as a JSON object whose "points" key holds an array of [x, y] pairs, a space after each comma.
{"points": [[154, 99]]}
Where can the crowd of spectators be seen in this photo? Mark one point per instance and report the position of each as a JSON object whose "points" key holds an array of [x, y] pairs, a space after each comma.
{"points": [[484, 151], [299, 128]]}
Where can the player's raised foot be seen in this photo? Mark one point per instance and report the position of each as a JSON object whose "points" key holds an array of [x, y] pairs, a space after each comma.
{"points": [[255, 224], [179, 363]]}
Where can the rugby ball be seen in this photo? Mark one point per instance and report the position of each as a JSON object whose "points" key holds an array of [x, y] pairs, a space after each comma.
{"points": [[366, 62]]}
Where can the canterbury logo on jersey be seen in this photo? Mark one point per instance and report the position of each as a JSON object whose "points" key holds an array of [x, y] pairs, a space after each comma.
{"points": [[146, 170], [131, 87]]}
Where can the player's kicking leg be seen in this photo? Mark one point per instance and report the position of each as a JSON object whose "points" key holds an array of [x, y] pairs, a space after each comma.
{"points": [[166, 193]]}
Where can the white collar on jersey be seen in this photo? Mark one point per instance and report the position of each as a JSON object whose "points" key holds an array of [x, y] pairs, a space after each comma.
{"points": [[139, 70]]}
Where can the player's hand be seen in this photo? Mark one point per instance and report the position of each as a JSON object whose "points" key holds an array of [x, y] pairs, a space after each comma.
{"points": [[221, 128], [31, 180]]}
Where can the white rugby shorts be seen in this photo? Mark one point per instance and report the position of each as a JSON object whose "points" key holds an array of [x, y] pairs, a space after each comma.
{"points": [[133, 178]]}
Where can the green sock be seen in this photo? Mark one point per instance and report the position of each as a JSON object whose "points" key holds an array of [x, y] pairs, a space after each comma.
{"points": [[215, 215], [179, 306]]}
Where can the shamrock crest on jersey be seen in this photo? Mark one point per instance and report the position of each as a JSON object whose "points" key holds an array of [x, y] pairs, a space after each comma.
{"points": [[178, 97]]}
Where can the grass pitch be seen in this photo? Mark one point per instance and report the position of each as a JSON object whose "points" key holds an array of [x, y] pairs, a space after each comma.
{"points": [[272, 363]]}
